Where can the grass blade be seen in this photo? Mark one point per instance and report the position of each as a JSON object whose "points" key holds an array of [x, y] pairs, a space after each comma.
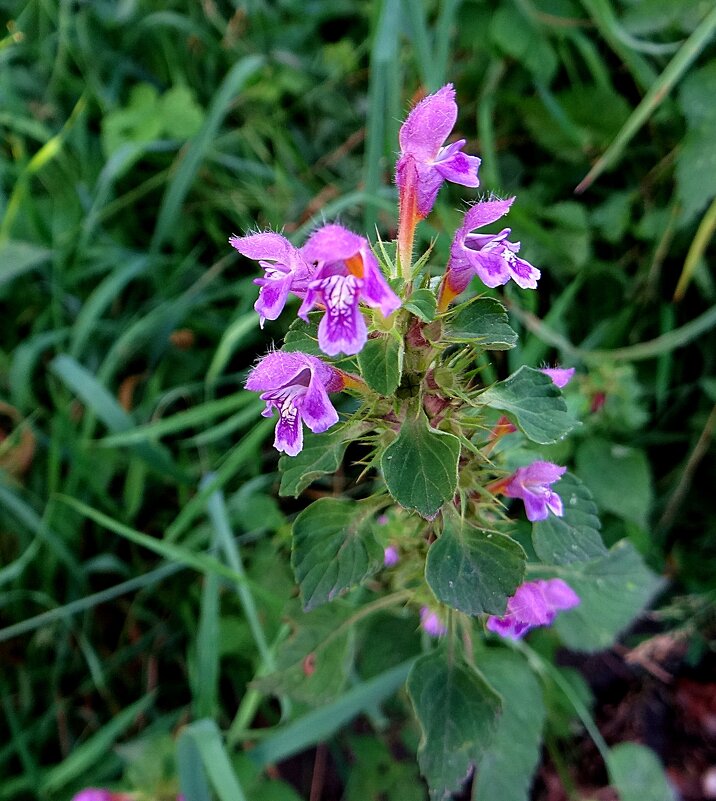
{"points": [[700, 242], [320, 724], [383, 65], [200, 562], [97, 398], [183, 178], [658, 90], [91, 752], [202, 739]]}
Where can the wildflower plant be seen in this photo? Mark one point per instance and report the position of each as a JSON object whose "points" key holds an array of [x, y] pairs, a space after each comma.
{"points": [[431, 516]]}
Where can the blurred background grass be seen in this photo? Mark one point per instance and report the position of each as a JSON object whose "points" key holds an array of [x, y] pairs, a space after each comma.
{"points": [[137, 482]]}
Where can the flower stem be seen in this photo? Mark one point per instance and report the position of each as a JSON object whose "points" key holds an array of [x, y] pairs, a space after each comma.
{"points": [[407, 221]]}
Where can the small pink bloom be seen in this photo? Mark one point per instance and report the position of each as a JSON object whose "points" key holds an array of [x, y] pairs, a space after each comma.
{"points": [[424, 162], [489, 256], [286, 270], [297, 386], [93, 794], [346, 272], [535, 603], [431, 623], [392, 557], [561, 376], [532, 485]]}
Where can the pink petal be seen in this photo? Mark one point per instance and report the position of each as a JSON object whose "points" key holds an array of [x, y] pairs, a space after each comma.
{"points": [[485, 212], [316, 409], [429, 124]]}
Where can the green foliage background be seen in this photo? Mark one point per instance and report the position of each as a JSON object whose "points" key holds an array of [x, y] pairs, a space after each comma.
{"points": [[144, 568]]}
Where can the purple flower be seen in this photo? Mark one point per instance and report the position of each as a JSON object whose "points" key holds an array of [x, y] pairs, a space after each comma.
{"points": [[489, 256], [98, 794], [532, 484], [346, 272], [561, 376], [535, 603], [391, 557], [93, 794], [431, 623], [424, 163], [297, 385], [286, 270]]}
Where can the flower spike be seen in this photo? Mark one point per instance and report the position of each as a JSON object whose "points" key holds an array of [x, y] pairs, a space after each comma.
{"points": [[297, 385]]}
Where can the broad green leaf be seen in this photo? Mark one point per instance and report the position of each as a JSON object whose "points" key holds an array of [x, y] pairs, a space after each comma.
{"points": [[482, 322], [517, 36], [637, 774], [619, 477], [505, 771], [321, 454], [422, 303], [472, 570], [182, 116], [333, 549], [613, 591], [303, 336], [381, 364], [457, 711], [376, 775], [569, 122], [533, 403], [312, 665], [696, 158], [575, 536], [420, 466]]}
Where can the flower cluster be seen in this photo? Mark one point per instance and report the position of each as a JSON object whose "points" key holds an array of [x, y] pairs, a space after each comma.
{"points": [[335, 269], [361, 299]]}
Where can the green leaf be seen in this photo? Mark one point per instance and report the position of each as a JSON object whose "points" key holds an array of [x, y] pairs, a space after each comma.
{"points": [[17, 258], [637, 773], [575, 536], [482, 322], [313, 663], [420, 466], [93, 750], [321, 724], [505, 771], [457, 711], [613, 591], [423, 304], [182, 116], [200, 753], [619, 477], [696, 158], [472, 570], [333, 549], [376, 775], [516, 35], [381, 364], [303, 336], [533, 403], [322, 454]]}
